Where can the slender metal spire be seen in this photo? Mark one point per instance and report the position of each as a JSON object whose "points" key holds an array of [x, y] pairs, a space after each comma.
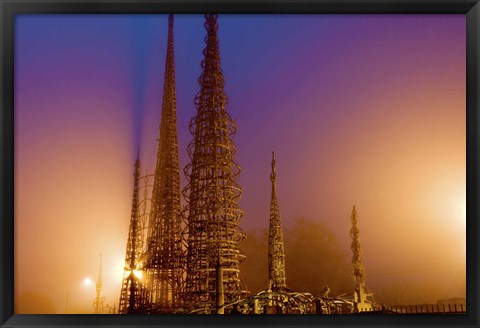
{"points": [[361, 292], [212, 193], [276, 252], [358, 268], [131, 286], [164, 255], [99, 300]]}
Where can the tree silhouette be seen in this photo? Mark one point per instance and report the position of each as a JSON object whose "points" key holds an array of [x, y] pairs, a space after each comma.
{"points": [[254, 272], [313, 260]]}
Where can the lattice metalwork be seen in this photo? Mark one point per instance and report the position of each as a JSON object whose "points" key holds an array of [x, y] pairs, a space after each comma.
{"points": [[164, 266], [144, 206], [358, 268], [361, 292], [276, 251], [276, 302], [212, 193], [98, 302], [131, 294]]}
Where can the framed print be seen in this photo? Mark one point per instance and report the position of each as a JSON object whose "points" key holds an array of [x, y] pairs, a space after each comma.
{"points": [[269, 163]]}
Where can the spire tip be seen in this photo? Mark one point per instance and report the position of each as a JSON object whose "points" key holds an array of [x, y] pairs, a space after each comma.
{"points": [[273, 175], [137, 161]]}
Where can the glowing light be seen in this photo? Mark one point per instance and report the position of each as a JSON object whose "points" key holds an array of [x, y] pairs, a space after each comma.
{"points": [[87, 281], [121, 271], [138, 274]]}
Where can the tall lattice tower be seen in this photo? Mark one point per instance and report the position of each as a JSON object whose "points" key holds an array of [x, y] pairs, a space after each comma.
{"points": [[212, 193], [276, 252], [164, 265], [131, 293], [99, 299], [361, 292]]}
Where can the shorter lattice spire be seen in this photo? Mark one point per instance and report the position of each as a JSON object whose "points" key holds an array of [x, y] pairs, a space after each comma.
{"points": [[131, 284], [358, 268], [361, 292], [276, 252]]}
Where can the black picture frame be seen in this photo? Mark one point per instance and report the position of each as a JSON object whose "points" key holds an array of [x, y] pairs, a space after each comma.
{"points": [[10, 8]]}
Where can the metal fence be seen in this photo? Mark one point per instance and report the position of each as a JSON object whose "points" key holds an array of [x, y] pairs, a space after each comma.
{"points": [[418, 309]]}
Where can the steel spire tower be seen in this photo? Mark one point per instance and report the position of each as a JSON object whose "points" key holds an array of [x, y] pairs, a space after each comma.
{"points": [[164, 265], [131, 293], [212, 193], [361, 292], [99, 300], [276, 252]]}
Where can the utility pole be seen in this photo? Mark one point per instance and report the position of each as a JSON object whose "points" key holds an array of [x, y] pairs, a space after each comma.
{"points": [[99, 300]]}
